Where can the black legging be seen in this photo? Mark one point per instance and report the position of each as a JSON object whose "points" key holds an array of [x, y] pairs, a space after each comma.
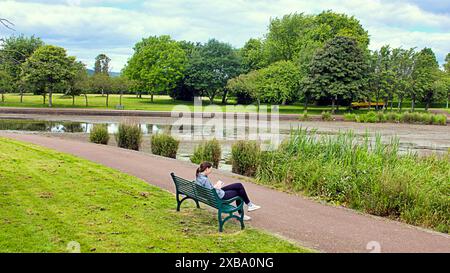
{"points": [[233, 190]]}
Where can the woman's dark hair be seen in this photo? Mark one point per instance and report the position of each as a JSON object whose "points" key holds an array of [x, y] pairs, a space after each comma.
{"points": [[205, 165]]}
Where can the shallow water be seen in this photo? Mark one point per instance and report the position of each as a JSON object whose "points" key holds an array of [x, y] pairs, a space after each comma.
{"points": [[412, 138]]}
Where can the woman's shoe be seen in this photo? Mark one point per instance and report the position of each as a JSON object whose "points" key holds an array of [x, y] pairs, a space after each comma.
{"points": [[247, 218], [252, 207]]}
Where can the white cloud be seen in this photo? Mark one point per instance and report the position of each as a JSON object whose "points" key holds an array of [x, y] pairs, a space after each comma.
{"points": [[89, 27]]}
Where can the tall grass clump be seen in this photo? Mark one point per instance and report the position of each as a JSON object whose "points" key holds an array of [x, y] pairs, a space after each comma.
{"points": [[99, 134], [207, 151], [406, 117], [245, 157], [164, 145], [129, 136], [363, 173], [326, 116]]}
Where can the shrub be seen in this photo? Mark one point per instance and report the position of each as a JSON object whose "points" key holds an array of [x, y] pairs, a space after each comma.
{"points": [[99, 134], [129, 136], [164, 145], [439, 119], [350, 116], [207, 151], [326, 116], [370, 117], [245, 157]]}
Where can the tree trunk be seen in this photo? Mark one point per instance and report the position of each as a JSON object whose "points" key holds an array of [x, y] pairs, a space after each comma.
{"points": [[151, 97], [21, 96], [73, 100], [333, 100], [427, 105], [3, 97], [120, 98], [224, 97], [413, 102], [107, 100], [401, 103], [50, 98], [44, 98], [86, 99]]}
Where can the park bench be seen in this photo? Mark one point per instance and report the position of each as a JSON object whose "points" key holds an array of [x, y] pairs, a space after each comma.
{"points": [[191, 190]]}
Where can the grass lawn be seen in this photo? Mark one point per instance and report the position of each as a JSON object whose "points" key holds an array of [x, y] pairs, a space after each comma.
{"points": [[48, 199], [161, 103]]}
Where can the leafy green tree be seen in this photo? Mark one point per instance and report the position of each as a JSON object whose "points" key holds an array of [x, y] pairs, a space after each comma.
{"points": [[5, 83], [279, 83], [245, 87], [14, 51], [102, 64], [78, 84], [338, 71], [157, 64], [120, 85], [49, 67], [446, 76], [182, 91], [102, 83], [253, 55], [403, 66], [211, 66], [424, 76], [382, 74]]}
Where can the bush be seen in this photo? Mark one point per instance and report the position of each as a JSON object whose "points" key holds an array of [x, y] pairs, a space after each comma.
{"points": [[208, 151], [350, 116], [245, 157], [164, 145], [439, 119], [99, 134], [129, 136], [326, 116]]}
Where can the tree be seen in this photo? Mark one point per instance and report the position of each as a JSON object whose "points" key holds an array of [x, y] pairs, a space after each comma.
{"points": [[279, 83], [102, 64], [245, 87], [119, 86], [50, 68], [446, 76], [14, 51], [102, 83], [424, 75], [298, 37], [5, 83], [253, 55], [382, 74], [157, 64], [338, 70], [403, 66], [182, 91], [211, 66], [78, 84]]}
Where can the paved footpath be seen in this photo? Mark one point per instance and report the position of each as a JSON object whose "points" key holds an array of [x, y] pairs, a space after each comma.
{"points": [[310, 223]]}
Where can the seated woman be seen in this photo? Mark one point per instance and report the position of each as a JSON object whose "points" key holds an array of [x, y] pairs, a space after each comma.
{"points": [[224, 192]]}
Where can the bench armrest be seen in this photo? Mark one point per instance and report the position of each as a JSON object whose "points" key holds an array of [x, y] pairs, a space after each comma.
{"points": [[228, 201]]}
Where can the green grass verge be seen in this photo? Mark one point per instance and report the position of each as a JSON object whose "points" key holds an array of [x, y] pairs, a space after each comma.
{"points": [[161, 103], [48, 199]]}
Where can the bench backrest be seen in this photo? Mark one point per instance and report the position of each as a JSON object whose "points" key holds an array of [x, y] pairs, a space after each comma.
{"points": [[193, 190]]}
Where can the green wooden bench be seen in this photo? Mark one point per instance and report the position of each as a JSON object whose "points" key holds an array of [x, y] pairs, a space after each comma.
{"points": [[192, 190]]}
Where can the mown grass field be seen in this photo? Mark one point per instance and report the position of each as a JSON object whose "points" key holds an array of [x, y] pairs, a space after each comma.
{"points": [[161, 103], [48, 199]]}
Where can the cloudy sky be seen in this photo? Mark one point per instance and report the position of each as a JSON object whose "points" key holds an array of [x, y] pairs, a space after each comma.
{"points": [[89, 27]]}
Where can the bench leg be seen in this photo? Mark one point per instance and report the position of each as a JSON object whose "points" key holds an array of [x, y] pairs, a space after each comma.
{"points": [[219, 215], [178, 202], [198, 205]]}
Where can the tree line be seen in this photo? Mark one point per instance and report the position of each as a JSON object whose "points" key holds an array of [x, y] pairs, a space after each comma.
{"points": [[321, 58]]}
